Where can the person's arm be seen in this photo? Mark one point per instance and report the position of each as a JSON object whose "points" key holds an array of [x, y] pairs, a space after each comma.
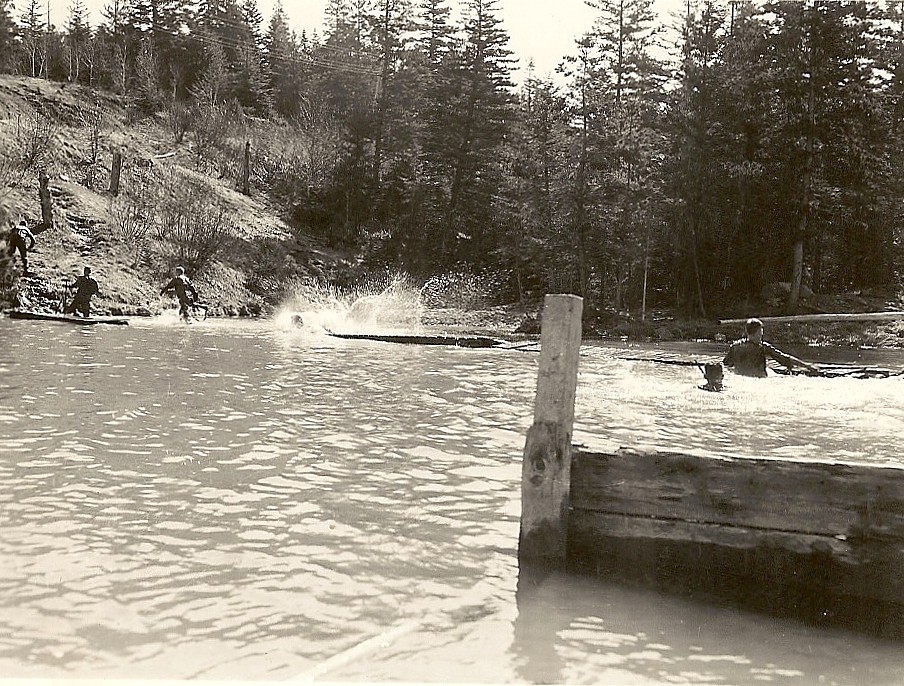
{"points": [[168, 286], [729, 360], [784, 358], [28, 236]]}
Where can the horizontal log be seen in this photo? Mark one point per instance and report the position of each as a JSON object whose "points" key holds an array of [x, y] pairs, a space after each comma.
{"points": [[414, 339], [819, 541], [824, 317], [857, 502]]}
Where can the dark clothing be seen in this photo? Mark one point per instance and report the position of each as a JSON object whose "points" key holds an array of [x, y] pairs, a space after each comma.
{"points": [[749, 359], [185, 292], [19, 239], [85, 287]]}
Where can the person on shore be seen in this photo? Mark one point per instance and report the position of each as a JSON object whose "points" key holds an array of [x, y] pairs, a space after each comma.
{"points": [[85, 288], [748, 356], [185, 293], [21, 239]]}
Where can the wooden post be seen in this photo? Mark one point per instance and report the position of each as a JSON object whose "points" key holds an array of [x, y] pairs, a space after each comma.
{"points": [[546, 466], [46, 202], [115, 172], [246, 170]]}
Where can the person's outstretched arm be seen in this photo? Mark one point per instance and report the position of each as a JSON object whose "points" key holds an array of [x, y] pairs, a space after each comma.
{"points": [[786, 359]]}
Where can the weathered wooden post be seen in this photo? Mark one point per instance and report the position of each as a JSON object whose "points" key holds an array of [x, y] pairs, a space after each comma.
{"points": [[46, 202], [546, 467], [115, 172]]}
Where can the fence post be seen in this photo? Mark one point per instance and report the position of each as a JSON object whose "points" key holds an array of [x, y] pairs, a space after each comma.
{"points": [[115, 172], [546, 466], [46, 202]]}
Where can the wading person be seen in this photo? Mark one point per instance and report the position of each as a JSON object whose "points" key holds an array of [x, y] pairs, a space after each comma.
{"points": [[21, 239], [185, 293], [748, 356], [85, 287]]}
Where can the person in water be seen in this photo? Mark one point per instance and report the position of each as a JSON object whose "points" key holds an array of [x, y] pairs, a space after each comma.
{"points": [[185, 293], [748, 356], [85, 287], [21, 239]]}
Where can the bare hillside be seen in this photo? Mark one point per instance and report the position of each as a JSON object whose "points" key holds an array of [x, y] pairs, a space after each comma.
{"points": [[173, 207]]}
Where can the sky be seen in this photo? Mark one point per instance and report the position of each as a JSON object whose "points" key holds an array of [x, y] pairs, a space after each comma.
{"points": [[540, 30]]}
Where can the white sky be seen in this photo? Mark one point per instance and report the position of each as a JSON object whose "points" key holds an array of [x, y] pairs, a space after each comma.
{"points": [[542, 30]]}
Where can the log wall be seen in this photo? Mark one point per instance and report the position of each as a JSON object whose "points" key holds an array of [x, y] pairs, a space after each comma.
{"points": [[822, 542]]}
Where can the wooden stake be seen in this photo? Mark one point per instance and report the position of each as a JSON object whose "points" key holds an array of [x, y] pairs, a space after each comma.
{"points": [[115, 172], [546, 466], [46, 202]]}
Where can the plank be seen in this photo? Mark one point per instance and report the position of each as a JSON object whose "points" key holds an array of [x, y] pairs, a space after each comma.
{"points": [[44, 316]]}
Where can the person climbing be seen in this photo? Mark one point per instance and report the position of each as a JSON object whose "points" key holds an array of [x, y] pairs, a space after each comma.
{"points": [[185, 293], [21, 239], [85, 287]]}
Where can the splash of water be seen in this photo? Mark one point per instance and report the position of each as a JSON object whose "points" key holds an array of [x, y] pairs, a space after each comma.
{"points": [[378, 304]]}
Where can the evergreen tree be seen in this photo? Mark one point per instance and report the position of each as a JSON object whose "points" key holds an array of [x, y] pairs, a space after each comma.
{"points": [[282, 61], [33, 34], [471, 106], [78, 36], [7, 36]]}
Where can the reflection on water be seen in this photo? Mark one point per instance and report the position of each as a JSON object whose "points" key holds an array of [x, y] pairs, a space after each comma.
{"points": [[228, 501]]}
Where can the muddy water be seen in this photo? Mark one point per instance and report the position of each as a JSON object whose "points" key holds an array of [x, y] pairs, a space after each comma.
{"points": [[233, 501]]}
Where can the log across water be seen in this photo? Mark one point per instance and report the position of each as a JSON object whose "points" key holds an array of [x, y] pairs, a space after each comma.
{"points": [[71, 319], [818, 541], [460, 341]]}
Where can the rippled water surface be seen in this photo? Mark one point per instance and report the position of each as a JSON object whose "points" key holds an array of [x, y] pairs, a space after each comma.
{"points": [[232, 501]]}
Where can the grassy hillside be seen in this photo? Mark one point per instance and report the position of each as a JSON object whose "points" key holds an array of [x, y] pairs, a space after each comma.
{"points": [[241, 254]]}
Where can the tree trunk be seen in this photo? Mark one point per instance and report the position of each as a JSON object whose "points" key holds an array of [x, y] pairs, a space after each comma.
{"points": [[806, 183]]}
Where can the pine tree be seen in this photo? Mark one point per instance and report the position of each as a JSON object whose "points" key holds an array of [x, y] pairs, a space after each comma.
{"points": [[7, 36], [282, 64], [33, 34], [78, 36], [471, 107]]}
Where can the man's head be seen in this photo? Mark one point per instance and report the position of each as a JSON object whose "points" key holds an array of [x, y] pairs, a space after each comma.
{"points": [[179, 271], [86, 271], [754, 329]]}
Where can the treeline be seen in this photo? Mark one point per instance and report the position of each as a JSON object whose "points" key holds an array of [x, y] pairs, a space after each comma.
{"points": [[768, 148]]}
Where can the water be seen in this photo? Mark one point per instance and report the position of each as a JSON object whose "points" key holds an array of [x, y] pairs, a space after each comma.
{"points": [[247, 501]]}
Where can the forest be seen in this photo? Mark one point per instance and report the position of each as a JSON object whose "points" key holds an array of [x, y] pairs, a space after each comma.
{"points": [[687, 162]]}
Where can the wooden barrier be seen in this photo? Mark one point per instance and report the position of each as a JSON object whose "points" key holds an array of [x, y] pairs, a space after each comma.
{"points": [[818, 541]]}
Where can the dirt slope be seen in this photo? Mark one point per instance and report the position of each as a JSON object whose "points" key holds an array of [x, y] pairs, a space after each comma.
{"points": [[264, 256]]}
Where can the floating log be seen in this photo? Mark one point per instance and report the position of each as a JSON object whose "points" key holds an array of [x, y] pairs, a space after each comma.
{"points": [[460, 341], [71, 319], [819, 541], [826, 317]]}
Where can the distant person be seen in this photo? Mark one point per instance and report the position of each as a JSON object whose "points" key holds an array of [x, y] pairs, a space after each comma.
{"points": [[85, 287], [185, 293], [748, 355], [21, 239]]}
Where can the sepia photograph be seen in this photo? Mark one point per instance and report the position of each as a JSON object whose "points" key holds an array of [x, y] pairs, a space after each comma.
{"points": [[452, 342]]}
